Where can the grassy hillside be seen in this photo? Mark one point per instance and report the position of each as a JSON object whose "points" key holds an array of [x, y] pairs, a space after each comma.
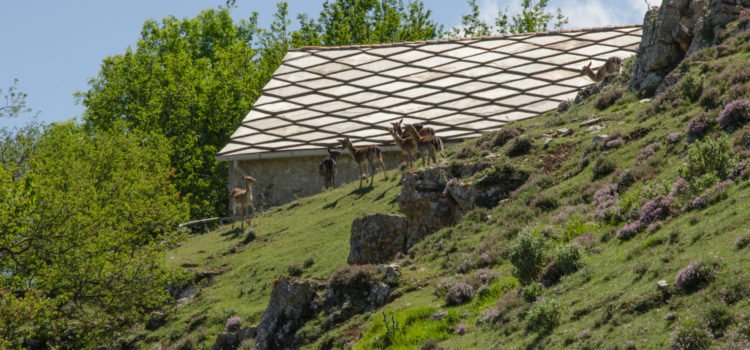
{"points": [[610, 216]]}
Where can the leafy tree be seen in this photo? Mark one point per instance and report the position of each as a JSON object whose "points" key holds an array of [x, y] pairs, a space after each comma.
{"points": [[13, 102], [191, 80], [82, 218], [532, 18], [352, 22]]}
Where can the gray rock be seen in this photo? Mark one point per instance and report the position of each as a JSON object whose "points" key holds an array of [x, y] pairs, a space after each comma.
{"points": [[232, 340], [377, 296], [590, 122], [376, 238], [600, 138], [292, 303], [390, 272], [564, 131], [594, 129]]}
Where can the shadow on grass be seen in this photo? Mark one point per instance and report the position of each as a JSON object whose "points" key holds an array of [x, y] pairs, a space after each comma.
{"points": [[362, 190], [538, 339], [234, 233]]}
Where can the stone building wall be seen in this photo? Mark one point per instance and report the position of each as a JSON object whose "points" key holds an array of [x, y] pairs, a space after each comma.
{"points": [[282, 180]]}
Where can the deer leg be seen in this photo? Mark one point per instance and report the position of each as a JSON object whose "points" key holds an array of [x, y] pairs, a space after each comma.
{"points": [[360, 174], [380, 159], [372, 168]]}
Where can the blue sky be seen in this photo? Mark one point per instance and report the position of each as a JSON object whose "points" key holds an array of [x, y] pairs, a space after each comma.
{"points": [[54, 47]]}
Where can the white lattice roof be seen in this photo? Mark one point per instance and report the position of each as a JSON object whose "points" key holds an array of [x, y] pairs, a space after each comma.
{"points": [[459, 87]]}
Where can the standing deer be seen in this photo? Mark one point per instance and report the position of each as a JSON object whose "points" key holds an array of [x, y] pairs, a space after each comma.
{"points": [[421, 129], [360, 154], [406, 144], [611, 67], [427, 145], [242, 198], [327, 168]]}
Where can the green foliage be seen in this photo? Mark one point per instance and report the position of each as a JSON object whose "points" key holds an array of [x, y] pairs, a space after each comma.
{"points": [[528, 254], [691, 87], [13, 102], [532, 18], [355, 22], [531, 292], [708, 161], [568, 258], [544, 315], [83, 217], [416, 325], [690, 335]]}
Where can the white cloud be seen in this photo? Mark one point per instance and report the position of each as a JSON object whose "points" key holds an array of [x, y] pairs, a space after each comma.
{"points": [[591, 13]]}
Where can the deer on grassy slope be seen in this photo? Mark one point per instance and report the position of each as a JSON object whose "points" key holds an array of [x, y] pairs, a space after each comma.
{"points": [[406, 144], [327, 168], [611, 67], [370, 153], [427, 145], [242, 198]]}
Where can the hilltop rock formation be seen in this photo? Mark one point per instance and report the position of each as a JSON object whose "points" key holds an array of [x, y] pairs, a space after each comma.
{"points": [[293, 302], [673, 31]]}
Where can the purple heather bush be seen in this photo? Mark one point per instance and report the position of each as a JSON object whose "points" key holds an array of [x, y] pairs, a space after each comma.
{"points": [[629, 230], [486, 276], [493, 315], [694, 275], [734, 114], [679, 187], [700, 124], [605, 200], [675, 137], [690, 335], [698, 202], [615, 143], [233, 323], [460, 329], [736, 92], [443, 286], [655, 209], [459, 293], [646, 154]]}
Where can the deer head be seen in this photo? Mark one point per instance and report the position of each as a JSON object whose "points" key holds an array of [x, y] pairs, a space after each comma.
{"points": [[333, 153]]}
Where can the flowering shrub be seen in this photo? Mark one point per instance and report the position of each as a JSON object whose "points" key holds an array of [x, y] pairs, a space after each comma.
{"points": [[486, 276], [233, 323], [629, 230], [443, 286], [690, 335], [710, 97], [605, 200], [493, 315], [694, 276], [718, 318], [602, 167], [736, 92], [655, 209], [459, 293], [608, 98], [460, 329], [700, 124], [734, 114], [675, 137]]}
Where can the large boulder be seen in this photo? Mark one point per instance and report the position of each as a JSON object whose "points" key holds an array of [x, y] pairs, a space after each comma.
{"points": [[376, 238], [714, 20], [292, 303], [668, 32]]}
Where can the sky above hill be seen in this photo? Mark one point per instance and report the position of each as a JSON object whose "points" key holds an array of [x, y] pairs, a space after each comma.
{"points": [[54, 47]]}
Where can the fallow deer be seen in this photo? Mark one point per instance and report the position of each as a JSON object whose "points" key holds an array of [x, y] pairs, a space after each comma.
{"points": [[360, 154], [611, 67], [406, 144], [242, 198], [427, 145], [421, 129], [327, 168]]}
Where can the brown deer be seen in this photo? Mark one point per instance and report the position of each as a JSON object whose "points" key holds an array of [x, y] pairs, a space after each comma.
{"points": [[406, 144], [242, 198], [427, 145], [327, 168], [611, 67], [360, 154], [421, 129]]}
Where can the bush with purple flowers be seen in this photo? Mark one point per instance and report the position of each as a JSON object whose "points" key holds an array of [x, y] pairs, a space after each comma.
{"points": [[233, 323], [734, 114], [657, 208], [737, 91], [629, 230], [694, 276], [690, 335], [615, 143], [645, 155], [700, 124], [605, 200], [675, 137], [459, 293]]}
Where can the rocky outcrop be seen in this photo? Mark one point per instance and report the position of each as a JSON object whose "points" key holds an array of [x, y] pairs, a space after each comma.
{"points": [[376, 238], [292, 303], [716, 16], [232, 340], [436, 197], [668, 33]]}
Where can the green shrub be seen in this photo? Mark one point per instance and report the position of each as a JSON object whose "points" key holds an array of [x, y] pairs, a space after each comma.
{"points": [[712, 157], [544, 315], [531, 292], [603, 167], [718, 318], [519, 146], [691, 87], [294, 269], [568, 258], [528, 255]]}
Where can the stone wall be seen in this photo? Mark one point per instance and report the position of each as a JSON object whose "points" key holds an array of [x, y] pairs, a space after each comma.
{"points": [[283, 180]]}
